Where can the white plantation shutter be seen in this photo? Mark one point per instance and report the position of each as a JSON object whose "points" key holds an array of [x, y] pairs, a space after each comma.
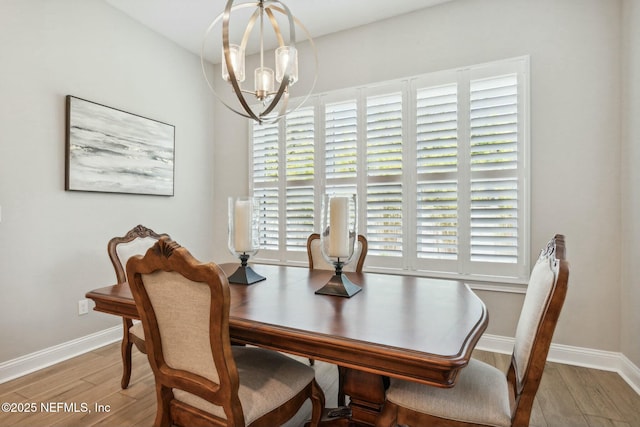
{"points": [[384, 200], [265, 154], [437, 167], [299, 217], [341, 147], [384, 135], [299, 137], [269, 224], [265, 175], [494, 174], [439, 163], [341, 142]]}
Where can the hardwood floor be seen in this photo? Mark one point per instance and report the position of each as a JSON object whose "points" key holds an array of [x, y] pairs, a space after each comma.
{"points": [[85, 391]]}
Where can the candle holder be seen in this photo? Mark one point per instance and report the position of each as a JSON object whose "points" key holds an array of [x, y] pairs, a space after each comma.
{"points": [[339, 233], [243, 238]]}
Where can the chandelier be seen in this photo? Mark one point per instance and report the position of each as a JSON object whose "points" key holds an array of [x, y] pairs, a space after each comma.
{"points": [[266, 102]]}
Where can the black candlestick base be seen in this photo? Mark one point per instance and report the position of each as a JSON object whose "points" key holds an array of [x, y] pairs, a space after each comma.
{"points": [[245, 275], [340, 286]]}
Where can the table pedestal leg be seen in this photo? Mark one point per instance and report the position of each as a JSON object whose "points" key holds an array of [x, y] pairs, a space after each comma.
{"points": [[366, 393]]}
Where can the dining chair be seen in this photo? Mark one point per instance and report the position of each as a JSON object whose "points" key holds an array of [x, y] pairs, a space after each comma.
{"points": [[120, 249], [483, 395], [201, 379], [317, 262]]}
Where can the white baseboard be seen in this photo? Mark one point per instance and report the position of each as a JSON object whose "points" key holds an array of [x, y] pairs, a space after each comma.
{"points": [[630, 373], [577, 356], [50, 356]]}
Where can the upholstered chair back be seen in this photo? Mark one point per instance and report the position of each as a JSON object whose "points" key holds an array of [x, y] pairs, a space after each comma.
{"points": [[200, 378], [184, 307], [543, 302], [181, 307], [137, 246], [543, 278], [135, 242]]}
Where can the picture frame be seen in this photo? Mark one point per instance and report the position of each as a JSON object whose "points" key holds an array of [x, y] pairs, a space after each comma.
{"points": [[113, 151]]}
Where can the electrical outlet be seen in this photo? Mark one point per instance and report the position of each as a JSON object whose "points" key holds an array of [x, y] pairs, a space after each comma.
{"points": [[83, 307]]}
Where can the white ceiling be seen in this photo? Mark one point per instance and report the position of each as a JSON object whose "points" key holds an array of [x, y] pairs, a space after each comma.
{"points": [[186, 21]]}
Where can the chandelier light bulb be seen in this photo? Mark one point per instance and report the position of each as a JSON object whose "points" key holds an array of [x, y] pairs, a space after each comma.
{"points": [[236, 53], [284, 55], [264, 85]]}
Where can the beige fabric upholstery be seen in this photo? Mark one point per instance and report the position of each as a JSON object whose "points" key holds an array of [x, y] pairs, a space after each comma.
{"points": [[267, 380], [535, 302], [480, 396], [319, 263], [177, 302], [126, 250], [137, 330], [137, 246]]}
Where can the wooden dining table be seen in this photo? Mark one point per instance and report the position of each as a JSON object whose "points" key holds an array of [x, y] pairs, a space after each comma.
{"points": [[415, 328]]}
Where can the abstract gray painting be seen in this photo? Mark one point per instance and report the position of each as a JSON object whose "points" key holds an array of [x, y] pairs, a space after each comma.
{"points": [[113, 151]]}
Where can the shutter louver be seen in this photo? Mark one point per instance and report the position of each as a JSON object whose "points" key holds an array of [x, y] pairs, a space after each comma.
{"points": [[494, 220], [265, 153], [437, 129], [494, 123], [384, 135], [268, 217], [436, 156], [494, 175], [384, 175], [437, 220], [299, 217], [299, 175], [265, 182], [341, 121], [384, 219]]}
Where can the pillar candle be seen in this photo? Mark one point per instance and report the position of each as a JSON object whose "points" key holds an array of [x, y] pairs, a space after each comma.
{"points": [[242, 221], [339, 227]]}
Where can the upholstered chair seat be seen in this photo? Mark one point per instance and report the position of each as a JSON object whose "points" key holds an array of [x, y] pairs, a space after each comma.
{"points": [[481, 396], [267, 381], [137, 331]]}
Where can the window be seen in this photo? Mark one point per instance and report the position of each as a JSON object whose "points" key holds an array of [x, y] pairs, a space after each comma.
{"points": [[439, 163]]}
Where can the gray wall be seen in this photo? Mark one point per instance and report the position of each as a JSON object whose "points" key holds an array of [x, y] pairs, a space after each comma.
{"points": [[630, 295], [52, 242]]}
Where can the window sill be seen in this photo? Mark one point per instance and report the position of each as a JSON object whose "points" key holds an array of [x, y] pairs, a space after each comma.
{"points": [[477, 283]]}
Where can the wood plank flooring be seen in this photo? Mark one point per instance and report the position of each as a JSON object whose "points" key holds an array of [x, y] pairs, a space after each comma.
{"points": [[85, 391]]}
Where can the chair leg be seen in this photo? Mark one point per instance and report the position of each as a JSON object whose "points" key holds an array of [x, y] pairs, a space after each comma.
{"points": [[126, 353], [163, 398], [317, 402], [341, 396]]}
